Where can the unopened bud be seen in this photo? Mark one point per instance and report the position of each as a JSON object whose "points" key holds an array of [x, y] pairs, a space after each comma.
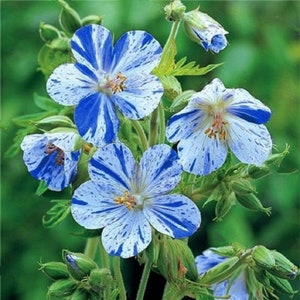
{"points": [[55, 121], [48, 32], [78, 264], [79, 294], [62, 288], [172, 87], [242, 187], [91, 19], [174, 11], [55, 270], [204, 30], [69, 19], [100, 278], [263, 257], [60, 44], [181, 100], [256, 172], [250, 201], [281, 285]]}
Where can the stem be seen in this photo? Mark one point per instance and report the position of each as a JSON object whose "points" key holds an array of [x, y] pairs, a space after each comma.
{"points": [[162, 124], [119, 277], [104, 256], [141, 133], [91, 246], [144, 280], [153, 128], [172, 34]]}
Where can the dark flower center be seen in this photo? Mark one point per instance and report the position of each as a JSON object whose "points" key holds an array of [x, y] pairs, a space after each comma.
{"points": [[60, 156]]}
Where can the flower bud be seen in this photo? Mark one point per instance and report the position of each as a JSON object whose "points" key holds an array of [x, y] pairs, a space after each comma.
{"points": [[55, 270], [261, 277], [55, 121], [281, 285], [48, 32], [62, 288], [263, 257], [69, 19], [174, 11], [78, 264], [172, 87], [181, 100], [176, 261], [60, 44], [204, 30], [250, 201], [283, 268], [226, 251], [99, 279], [79, 294], [256, 172], [91, 19], [242, 186], [224, 205]]}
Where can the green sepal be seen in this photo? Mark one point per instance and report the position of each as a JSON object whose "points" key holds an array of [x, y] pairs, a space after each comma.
{"points": [[242, 186], [172, 87], [251, 202], [48, 32], [80, 294], [61, 288], [57, 213], [99, 279], [42, 188], [174, 11], [263, 257], [224, 205], [256, 172], [92, 19], [52, 122], [181, 101], [281, 285], [55, 270], [31, 119]]}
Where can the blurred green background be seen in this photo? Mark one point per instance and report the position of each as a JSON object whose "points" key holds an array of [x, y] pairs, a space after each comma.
{"points": [[263, 57]]}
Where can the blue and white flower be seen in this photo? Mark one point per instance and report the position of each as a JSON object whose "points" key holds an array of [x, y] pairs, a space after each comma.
{"points": [[51, 157], [236, 289], [217, 118], [204, 30], [105, 78], [128, 199]]}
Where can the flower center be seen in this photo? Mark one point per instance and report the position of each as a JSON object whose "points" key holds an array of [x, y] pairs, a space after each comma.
{"points": [[60, 156], [114, 85], [217, 128], [128, 200]]}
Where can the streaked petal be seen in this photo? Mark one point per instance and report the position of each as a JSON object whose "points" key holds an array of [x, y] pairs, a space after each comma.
{"points": [[141, 96], [96, 119], [174, 215], [250, 143], [93, 206], [113, 167], [136, 52], [64, 140], [160, 170], [184, 123], [200, 154], [207, 260], [248, 108], [67, 85], [92, 47], [127, 236]]}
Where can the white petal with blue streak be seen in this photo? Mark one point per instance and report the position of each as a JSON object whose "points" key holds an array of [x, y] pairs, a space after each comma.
{"points": [[127, 236], [174, 215]]}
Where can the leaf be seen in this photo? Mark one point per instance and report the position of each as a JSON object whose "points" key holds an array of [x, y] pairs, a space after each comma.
{"points": [[46, 103], [57, 213]]}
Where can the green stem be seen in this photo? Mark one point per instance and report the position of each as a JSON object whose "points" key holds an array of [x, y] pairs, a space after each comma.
{"points": [[119, 277], [162, 124], [91, 246], [104, 256], [153, 128], [144, 280], [141, 133], [172, 35]]}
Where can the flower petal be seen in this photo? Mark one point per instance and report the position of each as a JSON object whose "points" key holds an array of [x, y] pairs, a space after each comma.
{"points": [[160, 170], [92, 47], [93, 206], [250, 143], [184, 123], [96, 119], [141, 96], [174, 215], [113, 167], [127, 236], [248, 108], [200, 154], [67, 85], [136, 52], [207, 260]]}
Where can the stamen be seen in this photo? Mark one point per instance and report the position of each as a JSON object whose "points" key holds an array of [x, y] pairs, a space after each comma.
{"points": [[217, 128], [60, 156], [117, 84], [128, 200]]}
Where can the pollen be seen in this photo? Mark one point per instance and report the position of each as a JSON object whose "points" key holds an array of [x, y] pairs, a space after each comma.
{"points": [[129, 201], [217, 128], [117, 84], [60, 156]]}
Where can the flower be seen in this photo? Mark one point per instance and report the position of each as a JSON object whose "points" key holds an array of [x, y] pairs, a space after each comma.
{"points": [[214, 119], [105, 78], [204, 30], [237, 288], [51, 157], [127, 198]]}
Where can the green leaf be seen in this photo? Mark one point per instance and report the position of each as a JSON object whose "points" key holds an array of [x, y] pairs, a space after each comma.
{"points": [[46, 103], [57, 213]]}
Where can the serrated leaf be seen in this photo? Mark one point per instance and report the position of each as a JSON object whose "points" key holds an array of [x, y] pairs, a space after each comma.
{"points": [[31, 119], [191, 68], [42, 188], [57, 213], [46, 103]]}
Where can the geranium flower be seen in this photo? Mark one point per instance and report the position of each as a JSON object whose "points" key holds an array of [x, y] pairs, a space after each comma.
{"points": [[127, 198], [105, 78], [236, 289], [217, 118], [51, 157], [204, 30]]}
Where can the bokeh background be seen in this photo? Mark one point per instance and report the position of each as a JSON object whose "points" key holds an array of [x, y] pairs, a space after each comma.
{"points": [[263, 57]]}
